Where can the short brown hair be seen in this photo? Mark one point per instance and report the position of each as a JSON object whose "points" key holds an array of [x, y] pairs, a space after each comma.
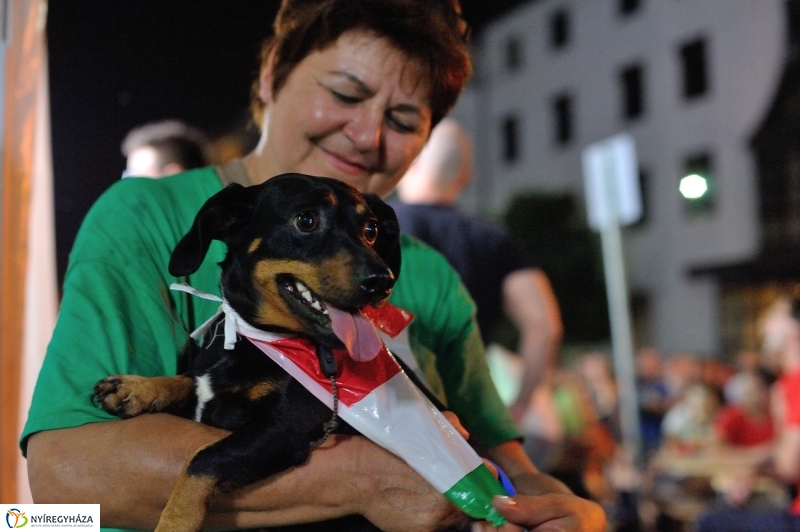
{"points": [[429, 31]]}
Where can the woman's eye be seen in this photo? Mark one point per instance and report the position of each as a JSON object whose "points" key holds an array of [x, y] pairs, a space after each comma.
{"points": [[344, 98], [399, 125], [371, 231], [306, 221]]}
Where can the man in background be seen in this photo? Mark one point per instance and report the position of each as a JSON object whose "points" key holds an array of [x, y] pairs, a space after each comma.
{"points": [[491, 265], [160, 149]]}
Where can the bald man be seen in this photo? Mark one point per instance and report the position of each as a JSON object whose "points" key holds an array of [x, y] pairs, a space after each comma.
{"points": [[491, 265], [161, 149]]}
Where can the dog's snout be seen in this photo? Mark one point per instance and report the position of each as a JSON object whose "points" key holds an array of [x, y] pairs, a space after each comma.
{"points": [[378, 285]]}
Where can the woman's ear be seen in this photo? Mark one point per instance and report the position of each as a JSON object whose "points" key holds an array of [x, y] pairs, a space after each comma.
{"points": [[266, 77]]}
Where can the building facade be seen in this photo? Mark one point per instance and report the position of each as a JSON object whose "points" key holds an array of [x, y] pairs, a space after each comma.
{"points": [[691, 80]]}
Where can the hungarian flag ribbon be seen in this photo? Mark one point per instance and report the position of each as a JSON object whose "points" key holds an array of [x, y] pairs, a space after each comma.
{"points": [[380, 401]]}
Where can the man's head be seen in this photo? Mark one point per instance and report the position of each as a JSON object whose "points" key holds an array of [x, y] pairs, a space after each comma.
{"points": [[442, 169], [780, 330], [164, 148]]}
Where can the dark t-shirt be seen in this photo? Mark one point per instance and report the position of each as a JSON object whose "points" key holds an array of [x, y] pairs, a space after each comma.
{"points": [[482, 253]]}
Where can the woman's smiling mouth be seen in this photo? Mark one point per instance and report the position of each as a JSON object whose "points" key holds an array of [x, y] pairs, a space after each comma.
{"points": [[344, 164]]}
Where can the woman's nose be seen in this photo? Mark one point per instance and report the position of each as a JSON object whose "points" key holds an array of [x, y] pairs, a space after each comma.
{"points": [[365, 129]]}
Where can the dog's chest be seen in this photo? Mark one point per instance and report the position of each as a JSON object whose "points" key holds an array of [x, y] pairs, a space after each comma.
{"points": [[234, 386]]}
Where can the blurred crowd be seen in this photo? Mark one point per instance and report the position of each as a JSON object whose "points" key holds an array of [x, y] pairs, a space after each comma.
{"points": [[706, 428]]}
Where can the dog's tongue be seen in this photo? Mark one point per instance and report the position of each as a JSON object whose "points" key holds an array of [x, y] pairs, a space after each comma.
{"points": [[356, 332]]}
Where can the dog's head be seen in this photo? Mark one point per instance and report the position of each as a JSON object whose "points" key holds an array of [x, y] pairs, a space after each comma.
{"points": [[297, 245]]}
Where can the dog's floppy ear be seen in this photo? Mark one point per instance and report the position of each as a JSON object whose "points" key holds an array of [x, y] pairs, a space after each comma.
{"points": [[388, 243], [220, 218]]}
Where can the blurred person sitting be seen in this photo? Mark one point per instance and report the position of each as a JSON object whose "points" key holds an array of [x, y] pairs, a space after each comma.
{"points": [[489, 262], [746, 421], [596, 373], [681, 370], [687, 426], [653, 395], [160, 149], [588, 446], [748, 362]]}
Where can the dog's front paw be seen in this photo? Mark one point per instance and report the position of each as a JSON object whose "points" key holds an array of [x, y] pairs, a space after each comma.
{"points": [[126, 396]]}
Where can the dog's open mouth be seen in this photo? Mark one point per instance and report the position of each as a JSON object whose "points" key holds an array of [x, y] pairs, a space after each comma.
{"points": [[307, 300], [353, 330]]}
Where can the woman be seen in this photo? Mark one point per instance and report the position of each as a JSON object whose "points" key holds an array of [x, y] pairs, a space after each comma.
{"points": [[348, 89]]}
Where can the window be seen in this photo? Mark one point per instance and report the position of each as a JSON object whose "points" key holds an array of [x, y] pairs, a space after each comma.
{"points": [[631, 84], [628, 7], [510, 136], [562, 117], [644, 191], [697, 185], [559, 29], [514, 54], [695, 69]]}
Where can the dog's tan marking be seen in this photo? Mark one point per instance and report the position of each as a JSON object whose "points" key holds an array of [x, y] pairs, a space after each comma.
{"points": [[331, 280], [188, 503], [361, 209], [131, 395], [262, 389], [254, 245]]}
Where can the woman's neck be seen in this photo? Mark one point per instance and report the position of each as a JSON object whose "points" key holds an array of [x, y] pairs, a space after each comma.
{"points": [[255, 162]]}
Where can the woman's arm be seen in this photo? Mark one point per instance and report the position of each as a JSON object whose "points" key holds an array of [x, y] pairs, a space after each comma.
{"points": [[130, 466], [512, 459]]}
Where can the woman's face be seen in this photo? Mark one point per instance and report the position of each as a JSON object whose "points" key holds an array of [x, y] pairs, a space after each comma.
{"points": [[357, 111]]}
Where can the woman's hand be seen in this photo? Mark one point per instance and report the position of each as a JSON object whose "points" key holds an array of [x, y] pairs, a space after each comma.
{"points": [[551, 513]]}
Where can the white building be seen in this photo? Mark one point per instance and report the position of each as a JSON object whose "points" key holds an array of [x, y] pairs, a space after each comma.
{"points": [[691, 80]]}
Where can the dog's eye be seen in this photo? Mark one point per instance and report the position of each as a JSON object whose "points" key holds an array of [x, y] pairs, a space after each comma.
{"points": [[306, 221], [371, 231]]}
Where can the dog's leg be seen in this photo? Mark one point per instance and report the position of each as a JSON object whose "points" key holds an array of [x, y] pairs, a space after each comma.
{"points": [[260, 448], [188, 502], [130, 395]]}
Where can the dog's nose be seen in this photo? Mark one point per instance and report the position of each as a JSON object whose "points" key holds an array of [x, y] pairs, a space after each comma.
{"points": [[378, 285]]}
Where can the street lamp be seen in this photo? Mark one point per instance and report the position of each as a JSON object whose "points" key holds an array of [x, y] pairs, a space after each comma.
{"points": [[693, 186]]}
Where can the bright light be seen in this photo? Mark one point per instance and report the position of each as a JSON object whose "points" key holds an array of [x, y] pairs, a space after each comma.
{"points": [[693, 186]]}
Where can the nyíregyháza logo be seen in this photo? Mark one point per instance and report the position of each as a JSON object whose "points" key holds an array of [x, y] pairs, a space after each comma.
{"points": [[16, 518]]}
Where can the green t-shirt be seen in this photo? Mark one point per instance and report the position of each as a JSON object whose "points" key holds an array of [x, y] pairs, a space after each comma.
{"points": [[118, 314]]}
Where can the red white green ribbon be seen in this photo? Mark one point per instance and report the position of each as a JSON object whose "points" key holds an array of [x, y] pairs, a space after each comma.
{"points": [[380, 401]]}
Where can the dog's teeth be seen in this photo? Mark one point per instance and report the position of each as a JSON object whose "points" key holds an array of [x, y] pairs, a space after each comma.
{"points": [[307, 296], [316, 305], [300, 286]]}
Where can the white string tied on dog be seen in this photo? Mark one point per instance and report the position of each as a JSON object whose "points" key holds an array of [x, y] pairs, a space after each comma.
{"points": [[234, 324]]}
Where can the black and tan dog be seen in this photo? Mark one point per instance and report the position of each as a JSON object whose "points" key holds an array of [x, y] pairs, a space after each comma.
{"points": [[297, 245]]}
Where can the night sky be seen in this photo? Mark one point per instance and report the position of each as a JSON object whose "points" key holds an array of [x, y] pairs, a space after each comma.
{"points": [[117, 64]]}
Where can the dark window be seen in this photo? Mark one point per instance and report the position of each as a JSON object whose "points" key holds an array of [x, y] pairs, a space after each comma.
{"points": [[562, 114], [632, 87], [698, 184], [779, 188], [510, 135], [695, 69], [513, 54], [627, 7], [644, 191], [559, 29]]}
